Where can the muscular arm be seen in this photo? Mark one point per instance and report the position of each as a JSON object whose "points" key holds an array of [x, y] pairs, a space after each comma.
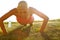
{"points": [[5, 17], [11, 12], [40, 14]]}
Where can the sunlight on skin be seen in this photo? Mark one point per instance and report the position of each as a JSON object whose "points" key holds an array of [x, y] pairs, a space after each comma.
{"points": [[24, 16]]}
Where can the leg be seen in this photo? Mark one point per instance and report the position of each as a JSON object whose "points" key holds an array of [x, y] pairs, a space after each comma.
{"points": [[3, 28]]}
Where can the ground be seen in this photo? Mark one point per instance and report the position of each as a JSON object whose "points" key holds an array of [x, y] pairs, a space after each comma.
{"points": [[52, 31]]}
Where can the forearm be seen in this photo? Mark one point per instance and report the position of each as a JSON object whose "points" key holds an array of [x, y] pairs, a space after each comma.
{"points": [[2, 27], [40, 14], [44, 25]]}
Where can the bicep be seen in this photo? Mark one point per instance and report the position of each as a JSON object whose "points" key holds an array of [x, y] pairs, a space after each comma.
{"points": [[8, 14], [40, 14]]}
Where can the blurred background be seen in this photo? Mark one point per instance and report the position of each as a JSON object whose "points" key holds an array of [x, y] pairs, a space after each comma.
{"points": [[51, 8]]}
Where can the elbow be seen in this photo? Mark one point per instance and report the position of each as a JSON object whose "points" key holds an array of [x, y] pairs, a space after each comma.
{"points": [[1, 20], [46, 18]]}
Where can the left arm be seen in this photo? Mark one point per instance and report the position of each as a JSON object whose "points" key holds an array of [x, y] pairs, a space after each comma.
{"points": [[40, 14]]}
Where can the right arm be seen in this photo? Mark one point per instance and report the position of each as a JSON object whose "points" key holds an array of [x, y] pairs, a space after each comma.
{"points": [[11, 12]]}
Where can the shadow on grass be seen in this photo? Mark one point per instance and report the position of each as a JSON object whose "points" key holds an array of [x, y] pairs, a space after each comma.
{"points": [[17, 34]]}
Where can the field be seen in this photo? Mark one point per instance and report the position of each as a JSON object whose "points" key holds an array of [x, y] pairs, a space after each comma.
{"points": [[52, 31]]}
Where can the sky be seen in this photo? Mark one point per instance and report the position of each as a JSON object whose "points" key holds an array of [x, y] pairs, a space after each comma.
{"points": [[51, 8]]}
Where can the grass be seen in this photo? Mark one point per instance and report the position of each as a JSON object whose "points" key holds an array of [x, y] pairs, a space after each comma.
{"points": [[52, 31]]}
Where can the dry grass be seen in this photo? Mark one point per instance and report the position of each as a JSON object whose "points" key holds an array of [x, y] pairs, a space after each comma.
{"points": [[52, 31]]}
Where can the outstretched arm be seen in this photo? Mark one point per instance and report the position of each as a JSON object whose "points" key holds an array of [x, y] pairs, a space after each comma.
{"points": [[5, 17], [11, 12], [40, 14]]}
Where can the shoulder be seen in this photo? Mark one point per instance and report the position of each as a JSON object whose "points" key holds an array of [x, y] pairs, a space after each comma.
{"points": [[14, 9], [31, 9]]}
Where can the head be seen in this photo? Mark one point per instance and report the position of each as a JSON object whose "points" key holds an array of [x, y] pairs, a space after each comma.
{"points": [[22, 6], [22, 9]]}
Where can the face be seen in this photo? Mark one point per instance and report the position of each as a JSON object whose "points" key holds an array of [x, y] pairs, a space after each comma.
{"points": [[22, 7]]}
